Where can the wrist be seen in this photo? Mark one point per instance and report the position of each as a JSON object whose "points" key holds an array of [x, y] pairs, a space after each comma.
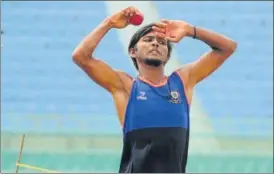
{"points": [[191, 31], [107, 23]]}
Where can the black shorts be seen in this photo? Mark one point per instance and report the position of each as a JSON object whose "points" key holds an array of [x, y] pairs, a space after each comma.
{"points": [[155, 150]]}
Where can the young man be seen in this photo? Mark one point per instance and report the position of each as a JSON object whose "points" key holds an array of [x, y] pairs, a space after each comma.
{"points": [[153, 109]]}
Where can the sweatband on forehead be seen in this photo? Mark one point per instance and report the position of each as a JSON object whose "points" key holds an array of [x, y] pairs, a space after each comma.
{"points": [[139, 34]]}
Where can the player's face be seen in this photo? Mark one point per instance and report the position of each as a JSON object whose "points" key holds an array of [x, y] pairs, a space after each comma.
{"points": [[152, 47]]}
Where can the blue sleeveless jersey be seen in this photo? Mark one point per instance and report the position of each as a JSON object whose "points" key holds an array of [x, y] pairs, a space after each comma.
{"points": [[156, 128]]}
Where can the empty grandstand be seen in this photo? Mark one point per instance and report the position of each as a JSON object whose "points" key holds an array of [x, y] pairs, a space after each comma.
{"points": [[70, 126]]}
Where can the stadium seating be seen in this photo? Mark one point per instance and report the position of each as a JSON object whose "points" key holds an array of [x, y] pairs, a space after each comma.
{"points": [[40, 79], [242, 89], [43, 91], [38, 75]]}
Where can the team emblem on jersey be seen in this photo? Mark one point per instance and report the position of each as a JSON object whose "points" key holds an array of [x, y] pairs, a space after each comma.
{"points": [[174, 97]]}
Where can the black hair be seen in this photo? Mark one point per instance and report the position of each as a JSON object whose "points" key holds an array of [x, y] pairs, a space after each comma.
{"points": [[137, 36]]}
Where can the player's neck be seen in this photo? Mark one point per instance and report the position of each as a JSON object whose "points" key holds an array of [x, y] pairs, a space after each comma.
{"points": [[153, 75]]}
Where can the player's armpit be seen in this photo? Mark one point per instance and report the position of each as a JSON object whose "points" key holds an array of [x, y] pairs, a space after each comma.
{"points": [[103, 74]]}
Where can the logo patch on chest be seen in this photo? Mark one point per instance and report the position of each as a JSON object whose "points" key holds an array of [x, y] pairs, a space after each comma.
{"points": [[175, 97], [142, 96]]}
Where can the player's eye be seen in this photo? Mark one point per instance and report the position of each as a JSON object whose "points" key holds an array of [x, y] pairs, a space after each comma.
{"points": [[148, 39], [162, 42]]}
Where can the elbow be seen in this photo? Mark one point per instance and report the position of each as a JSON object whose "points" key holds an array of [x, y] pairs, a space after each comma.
{"points": [[230, 48], [78, 56], [75, 56], [233, 46], [80, 53]]}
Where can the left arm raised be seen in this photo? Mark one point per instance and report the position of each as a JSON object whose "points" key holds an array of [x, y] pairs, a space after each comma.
{"points": [[222, 48]]}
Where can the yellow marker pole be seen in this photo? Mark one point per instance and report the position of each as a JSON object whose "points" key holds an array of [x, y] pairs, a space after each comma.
{"points": [[36, 168], [20, 153]]}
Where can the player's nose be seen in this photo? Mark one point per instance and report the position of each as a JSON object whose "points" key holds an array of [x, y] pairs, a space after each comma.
{"points": [[155, 43]]}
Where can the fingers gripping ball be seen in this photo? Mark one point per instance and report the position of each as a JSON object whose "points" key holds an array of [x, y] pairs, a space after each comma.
{"points": [[136, 19]]}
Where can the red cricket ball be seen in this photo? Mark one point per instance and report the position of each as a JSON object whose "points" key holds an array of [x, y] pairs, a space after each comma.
{"points": [[137, 19]]}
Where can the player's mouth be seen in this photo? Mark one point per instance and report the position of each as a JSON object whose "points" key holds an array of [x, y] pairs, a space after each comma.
{"points": [[155, 51]]}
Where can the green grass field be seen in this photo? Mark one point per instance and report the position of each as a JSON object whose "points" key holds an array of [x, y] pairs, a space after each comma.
{"points": [[109, 162], [67, 153]]}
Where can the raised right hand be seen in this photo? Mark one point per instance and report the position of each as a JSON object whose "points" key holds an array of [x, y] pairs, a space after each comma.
{"points": [[121, 19]]}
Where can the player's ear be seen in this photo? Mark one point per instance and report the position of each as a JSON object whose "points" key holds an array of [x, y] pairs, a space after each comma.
{"points": [[132, 52]]}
